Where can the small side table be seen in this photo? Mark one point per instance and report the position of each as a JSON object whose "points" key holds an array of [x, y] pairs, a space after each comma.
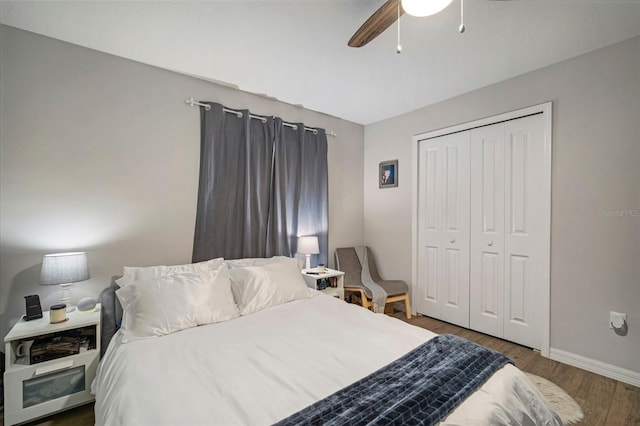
{"points": [[50, 367], [334, 280]]}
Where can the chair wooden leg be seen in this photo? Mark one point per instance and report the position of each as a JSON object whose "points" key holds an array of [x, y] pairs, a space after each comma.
{"points": [[407, 306], [362, 296], [367, 304]]}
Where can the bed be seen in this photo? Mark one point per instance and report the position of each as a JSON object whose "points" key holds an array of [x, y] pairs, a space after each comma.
{"points": [[283, 352]]}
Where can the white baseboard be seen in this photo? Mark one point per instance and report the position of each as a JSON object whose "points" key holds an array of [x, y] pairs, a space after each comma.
{"points": [[598, 367]]}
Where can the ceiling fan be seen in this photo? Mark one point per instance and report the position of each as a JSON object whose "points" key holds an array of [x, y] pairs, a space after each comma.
{"points": [[391, 11]]}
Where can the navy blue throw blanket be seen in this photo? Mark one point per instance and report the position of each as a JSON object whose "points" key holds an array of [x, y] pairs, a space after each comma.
{"points": [[420, 388]]}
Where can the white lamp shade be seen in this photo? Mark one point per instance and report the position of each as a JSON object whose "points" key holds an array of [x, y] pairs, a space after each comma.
{"points": [[424, 7], [308, 245], [62, 268]]}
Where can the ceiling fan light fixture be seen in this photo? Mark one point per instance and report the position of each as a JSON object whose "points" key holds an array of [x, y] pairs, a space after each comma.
{"points": [[422, 8]]}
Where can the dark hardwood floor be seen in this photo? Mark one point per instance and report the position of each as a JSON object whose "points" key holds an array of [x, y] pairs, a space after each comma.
{"points": [[604, 401]]}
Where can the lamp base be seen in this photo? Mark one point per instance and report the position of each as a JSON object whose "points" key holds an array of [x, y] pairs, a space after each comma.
{"points": [[66, 297], [307, 264]]}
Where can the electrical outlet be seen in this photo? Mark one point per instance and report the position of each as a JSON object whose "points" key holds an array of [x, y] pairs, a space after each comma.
{"points": [[617, 319]]}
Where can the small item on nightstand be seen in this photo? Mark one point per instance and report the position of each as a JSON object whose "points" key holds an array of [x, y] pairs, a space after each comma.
{"points": [[58, 313], [23, 351], [322, 284], [87, 304], [33, 308], [321, 268]]}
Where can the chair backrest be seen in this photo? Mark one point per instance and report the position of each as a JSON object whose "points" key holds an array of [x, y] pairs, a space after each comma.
{"points": [[347, 261], [373, 266]]}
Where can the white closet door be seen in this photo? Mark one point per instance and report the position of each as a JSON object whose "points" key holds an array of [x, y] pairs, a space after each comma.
{"points": [[508, 231], [429, 228], [525, 230], [483, 222], [443, 204], [487, 230]]}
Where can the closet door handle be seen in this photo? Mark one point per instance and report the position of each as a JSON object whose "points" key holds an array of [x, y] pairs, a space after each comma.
{"points": [[453, 240], [490, 243]]}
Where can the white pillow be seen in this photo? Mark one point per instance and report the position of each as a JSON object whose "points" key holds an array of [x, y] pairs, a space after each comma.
{"points": [[134, 273], [164, 305], [259, 287], [255, 261]]}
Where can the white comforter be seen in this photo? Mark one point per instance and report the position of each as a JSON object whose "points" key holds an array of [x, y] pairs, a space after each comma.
{"points": [[261, 368]]}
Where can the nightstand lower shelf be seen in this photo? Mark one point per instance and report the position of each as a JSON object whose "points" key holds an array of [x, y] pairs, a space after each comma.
{"points": [[38, 390]]}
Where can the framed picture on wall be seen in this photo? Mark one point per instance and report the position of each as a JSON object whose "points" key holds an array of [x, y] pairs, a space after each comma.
{"points": [[388, 174]]}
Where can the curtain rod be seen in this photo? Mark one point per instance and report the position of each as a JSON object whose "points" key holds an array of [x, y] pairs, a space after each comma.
{"points": [[193, 102]]}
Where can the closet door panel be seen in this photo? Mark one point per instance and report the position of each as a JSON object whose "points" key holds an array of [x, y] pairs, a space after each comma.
{"points": [[452, 279], [525, 230], [490, 297], [487, 230], [443, 222], [455, 237], [518, 284], [429, 228], [430, 271]]}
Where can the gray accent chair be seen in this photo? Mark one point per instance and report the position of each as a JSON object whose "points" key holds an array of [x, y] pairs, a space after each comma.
{"points": [[347, 261]]}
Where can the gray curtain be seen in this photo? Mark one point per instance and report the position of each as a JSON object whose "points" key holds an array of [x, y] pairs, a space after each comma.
{"points": [[233, 193], [262, 184]]}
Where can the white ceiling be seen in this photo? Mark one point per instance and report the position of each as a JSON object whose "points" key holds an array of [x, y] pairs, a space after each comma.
{"points": [[296, 51]]}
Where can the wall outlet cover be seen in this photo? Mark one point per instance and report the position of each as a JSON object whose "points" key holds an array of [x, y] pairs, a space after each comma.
{"points": [[617, 319]]}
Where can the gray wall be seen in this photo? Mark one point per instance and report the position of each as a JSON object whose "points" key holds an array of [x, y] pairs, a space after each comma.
{"points": [[100, 154], [595, 258]]}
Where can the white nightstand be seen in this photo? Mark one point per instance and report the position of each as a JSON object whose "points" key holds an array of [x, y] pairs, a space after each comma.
{"points": [[335, 280], [36, 385]]}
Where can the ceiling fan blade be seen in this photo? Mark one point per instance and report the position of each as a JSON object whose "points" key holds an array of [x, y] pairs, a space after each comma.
{"points": [[376, 24]]}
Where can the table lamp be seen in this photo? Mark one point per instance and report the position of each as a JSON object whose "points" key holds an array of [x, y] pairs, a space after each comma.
{"points": [[308, 246], [64, 269]]}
